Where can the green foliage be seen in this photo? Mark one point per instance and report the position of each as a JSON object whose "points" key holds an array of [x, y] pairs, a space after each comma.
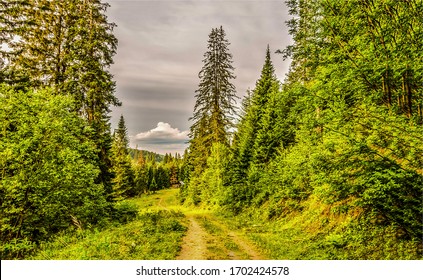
{"points": [[124, 212], [378, 164], [123, 179], [341, 140], [213, 180], [67, 45], [47, 168], [17, 247], [151, 236]]}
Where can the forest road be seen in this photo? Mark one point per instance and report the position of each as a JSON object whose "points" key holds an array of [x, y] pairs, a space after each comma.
{"points": [[194, 245], [208, 238]]}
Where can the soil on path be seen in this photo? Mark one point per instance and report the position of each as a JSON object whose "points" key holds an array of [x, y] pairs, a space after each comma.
{"points": [[194, 245], [208, 237]]}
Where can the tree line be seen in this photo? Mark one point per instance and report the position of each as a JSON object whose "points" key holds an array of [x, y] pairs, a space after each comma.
{"points": [[344, 128], [137, 174]]}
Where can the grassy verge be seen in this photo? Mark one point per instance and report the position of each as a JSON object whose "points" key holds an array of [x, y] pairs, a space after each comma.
{"points": [[156, 233], [318, 231]]}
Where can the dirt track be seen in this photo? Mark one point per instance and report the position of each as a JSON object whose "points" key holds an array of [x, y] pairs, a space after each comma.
{"points": [[216, 243], [208, 237]]}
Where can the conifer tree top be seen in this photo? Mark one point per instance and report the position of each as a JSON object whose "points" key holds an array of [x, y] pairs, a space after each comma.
{"points": [[268, 71], [121, 133], [215, 95]]}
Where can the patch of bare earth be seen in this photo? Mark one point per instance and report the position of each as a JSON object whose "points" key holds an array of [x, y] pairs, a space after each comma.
{"points": [[194, 246]]}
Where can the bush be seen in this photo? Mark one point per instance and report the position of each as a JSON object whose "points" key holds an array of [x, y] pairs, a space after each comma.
{"points": [[48, 166], [125, 212]]}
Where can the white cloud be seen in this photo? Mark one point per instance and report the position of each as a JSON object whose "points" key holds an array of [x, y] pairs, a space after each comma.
{"points": [[164, 133], [161, 139]]}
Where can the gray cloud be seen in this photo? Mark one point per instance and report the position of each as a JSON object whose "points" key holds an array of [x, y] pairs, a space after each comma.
{"points": [[161, 47]]}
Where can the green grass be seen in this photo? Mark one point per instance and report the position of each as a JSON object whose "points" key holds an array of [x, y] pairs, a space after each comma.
{"points": [[317, 232], [210, 227], [156, 233], [166, 199], [223, 247]]}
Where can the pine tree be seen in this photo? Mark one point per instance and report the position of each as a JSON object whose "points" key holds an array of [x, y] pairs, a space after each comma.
{"points": [[67, 45], [252, 137], [123, 180], [268, 137], [214, 108], [121, 135]]}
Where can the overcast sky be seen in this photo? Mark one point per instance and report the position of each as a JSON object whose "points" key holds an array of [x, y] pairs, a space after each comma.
{"points": [[160, 52]]}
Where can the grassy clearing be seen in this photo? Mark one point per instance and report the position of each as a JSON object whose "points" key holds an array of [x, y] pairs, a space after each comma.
{"points": [[162, 200], [156, 233]]}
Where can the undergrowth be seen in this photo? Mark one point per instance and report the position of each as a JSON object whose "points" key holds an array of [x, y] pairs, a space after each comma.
{"points": [[320, 232], [151, 234]]}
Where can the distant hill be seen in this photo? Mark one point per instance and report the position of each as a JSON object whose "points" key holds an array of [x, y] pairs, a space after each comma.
{"points": [[146, 154]]}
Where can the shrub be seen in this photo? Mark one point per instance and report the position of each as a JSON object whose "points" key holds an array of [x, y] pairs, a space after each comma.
{"points": [[125, 212]]}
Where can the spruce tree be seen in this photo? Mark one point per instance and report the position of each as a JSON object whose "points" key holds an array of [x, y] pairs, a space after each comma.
{"points": [[123, 180], [214, 108], [252, 137]]}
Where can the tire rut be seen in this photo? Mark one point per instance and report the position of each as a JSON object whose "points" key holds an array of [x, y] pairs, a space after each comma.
{"points": [[194, 246], [214, 241], [245, 247]]}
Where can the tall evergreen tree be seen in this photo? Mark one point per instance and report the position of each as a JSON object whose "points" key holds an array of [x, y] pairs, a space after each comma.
{"points": [[214, 108], [268, 136], [252, 143], [67, 45], [123, 180]]}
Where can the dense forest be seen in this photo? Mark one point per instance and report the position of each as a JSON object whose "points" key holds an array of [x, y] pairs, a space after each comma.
{"points": [[333, 153], [60, 164]]}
